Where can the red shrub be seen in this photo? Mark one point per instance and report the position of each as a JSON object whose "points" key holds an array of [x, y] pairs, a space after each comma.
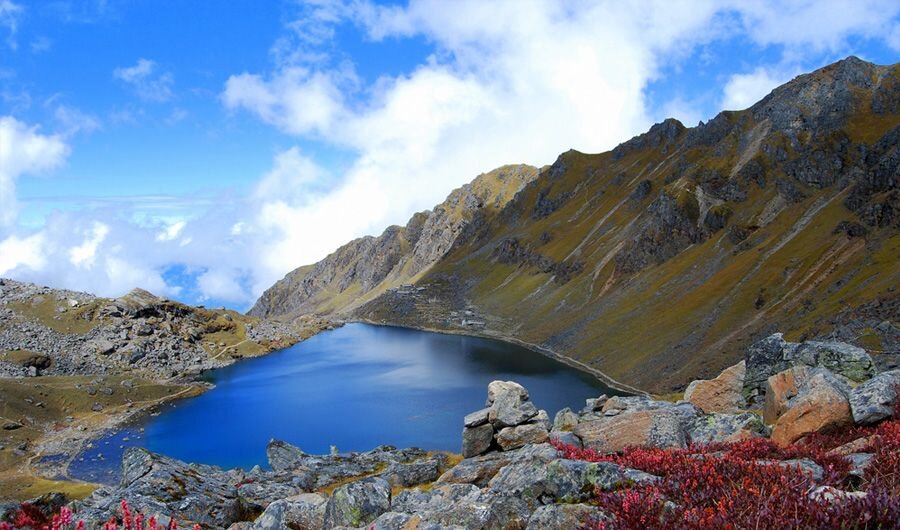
{"points": [[724, 486]]}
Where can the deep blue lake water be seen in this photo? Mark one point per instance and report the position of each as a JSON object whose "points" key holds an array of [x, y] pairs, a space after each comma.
{"points": [[356, 387]]}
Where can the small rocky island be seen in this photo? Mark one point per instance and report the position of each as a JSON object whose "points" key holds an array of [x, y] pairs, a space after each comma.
{"points": [[809, 416]]}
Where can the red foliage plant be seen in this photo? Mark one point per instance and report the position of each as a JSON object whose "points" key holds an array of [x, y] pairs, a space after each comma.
{"points": [[731, 485], [28, 516]]}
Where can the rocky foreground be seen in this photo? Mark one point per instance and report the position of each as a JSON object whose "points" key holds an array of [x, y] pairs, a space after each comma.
{"points": [[797, 435]]}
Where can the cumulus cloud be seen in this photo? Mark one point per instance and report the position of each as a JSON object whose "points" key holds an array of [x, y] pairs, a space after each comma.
{"points": [[24, 150], [743, 90], [147, 83]]}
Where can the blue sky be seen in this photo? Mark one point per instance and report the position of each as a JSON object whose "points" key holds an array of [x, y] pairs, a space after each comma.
{"points": [[203, 149]]}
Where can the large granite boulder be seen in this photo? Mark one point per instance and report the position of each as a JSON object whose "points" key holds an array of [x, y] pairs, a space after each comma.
{"points": [[876, 399], [722, 394], [515, 437], [841, 358], [358, 503], [660, 427], [819, 405]]}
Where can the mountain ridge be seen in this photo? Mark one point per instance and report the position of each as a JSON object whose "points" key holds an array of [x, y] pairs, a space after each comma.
{"points": [[658, 261]]}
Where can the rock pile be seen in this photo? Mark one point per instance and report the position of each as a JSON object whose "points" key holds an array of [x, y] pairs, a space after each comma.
{"points": [[508, 421], [59, 332]]}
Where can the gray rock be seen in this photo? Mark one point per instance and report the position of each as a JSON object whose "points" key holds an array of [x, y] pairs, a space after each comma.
{"points": [[565, 420], [283, 456], [875, 399], [421, 471], [727, 428], [764, 358], [305, 511], [479, 417], [480, 469], [850, 361], [565, 517], [542, 419], [508, 410], [477, 440], [510, 438], [358, 503], [859, 462], [205, 494], [806, 465], [497, 388], [567, 438], [462, 506]]}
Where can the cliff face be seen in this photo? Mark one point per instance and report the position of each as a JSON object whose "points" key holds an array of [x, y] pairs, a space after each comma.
{"points": [[366, 267], [660, 261]]}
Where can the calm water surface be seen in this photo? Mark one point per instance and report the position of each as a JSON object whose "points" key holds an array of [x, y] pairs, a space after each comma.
{"points": [[356, 387]]}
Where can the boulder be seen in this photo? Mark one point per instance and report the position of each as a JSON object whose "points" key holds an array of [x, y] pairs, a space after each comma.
{"points": [[764, 359], [726, 428], [848, 360], [876, 399], [306, 511], [660, 427], [479, 417], [420, 471], [833, 495], [566, 437], [784, 386], [509, 410], [283, 456], [722, 394], [477, 440], [497, 388], [205, 494], [481, 469], [458, 506], [565, 517], [565, 420], [515, 437], [820, 405], [358, 503]]}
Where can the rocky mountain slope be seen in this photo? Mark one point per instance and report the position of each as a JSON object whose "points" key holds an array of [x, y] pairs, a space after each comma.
{"points": [[365, 268], [661, 260]]}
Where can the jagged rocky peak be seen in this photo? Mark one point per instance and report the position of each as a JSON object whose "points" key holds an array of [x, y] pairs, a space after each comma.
{"points": [[371, 265]]}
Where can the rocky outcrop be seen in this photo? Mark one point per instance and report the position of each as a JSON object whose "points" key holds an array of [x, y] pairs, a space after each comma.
{"points": [[509, 421], [46, 331], [773, 355]]}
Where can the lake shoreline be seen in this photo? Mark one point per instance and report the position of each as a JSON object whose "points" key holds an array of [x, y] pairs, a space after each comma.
{"points": [[572, 363]]}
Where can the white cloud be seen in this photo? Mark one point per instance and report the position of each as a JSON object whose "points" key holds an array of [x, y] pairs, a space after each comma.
{"points": [[9, 18], [84, 255], [505, 82], [24, 150], [145, 81], [24, 252], [743, 90]]}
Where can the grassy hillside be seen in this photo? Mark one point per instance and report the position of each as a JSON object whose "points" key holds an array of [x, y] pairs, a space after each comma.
{"points": [[659, 261]]}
